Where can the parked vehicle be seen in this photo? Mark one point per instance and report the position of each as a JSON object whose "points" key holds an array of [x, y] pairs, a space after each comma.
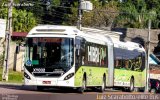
{"points": [[154, 85]]}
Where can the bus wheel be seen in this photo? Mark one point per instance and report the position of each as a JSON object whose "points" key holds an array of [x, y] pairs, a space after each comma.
{"points": [[153, 90], [136, 89], [102, 88], [83, 87], [131, 88]]}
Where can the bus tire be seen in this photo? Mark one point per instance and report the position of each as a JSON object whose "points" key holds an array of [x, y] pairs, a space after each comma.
{"points": [[83, 87], [131, 88], [136, 89], [102, 88], [153, 90]]}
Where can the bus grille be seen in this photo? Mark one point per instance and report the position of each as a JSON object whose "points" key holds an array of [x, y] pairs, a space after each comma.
{"points": [[47, 74]]}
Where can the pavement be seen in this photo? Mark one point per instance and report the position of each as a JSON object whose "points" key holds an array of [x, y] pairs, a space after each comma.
{"points": [[9, 83], [18, 85]]}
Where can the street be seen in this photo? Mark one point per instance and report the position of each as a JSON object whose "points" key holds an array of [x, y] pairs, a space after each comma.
{"points": [[18, 92]]}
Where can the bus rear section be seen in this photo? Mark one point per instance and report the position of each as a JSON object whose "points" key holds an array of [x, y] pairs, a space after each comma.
{"points": [[129, 71]]}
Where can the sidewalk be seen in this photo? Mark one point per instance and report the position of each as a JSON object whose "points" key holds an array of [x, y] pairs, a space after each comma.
{"points": [[10, 84]]}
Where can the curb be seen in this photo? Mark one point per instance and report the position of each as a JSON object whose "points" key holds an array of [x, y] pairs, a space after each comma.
{"points": [[21, 85], [10, 84]]}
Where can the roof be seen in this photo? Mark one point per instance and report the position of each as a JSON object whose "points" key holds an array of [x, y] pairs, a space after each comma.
{"points": [[19, 34]]}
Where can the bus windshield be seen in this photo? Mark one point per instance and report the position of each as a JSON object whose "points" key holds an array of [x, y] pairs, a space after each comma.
{"points": [[52, 53]]}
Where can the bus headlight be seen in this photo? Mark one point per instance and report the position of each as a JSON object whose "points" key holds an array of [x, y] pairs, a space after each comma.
{"points": [[68, 76], [26, 75]]}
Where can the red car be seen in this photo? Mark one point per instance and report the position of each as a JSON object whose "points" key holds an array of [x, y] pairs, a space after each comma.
{"points": [[154, 85]]}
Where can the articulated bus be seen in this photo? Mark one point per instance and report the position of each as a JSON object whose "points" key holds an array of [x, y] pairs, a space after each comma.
{"points": [[63, 56]]}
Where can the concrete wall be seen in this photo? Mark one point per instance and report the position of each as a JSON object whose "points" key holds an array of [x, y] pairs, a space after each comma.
{"points": [[131, 33], [16, 62], [11, 61]]}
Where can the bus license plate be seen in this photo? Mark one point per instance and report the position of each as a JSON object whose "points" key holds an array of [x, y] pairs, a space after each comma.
{"points": [[46, 82]]}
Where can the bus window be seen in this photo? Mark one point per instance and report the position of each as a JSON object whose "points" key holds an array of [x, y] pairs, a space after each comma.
{"points": [[50, 53], [82, 49], [118, 63], [77, 52], [126, 64]]}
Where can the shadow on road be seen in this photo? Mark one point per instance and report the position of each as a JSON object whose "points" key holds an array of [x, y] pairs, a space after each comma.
{"points": [[52, 89]]}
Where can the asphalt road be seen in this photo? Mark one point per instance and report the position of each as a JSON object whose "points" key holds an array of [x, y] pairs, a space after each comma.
{"points": [[18, 92]]}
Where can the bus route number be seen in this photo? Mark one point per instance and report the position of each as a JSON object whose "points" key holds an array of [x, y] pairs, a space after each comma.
{"points": [[41, 70]]}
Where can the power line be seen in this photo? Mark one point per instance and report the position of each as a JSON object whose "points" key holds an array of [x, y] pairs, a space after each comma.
{"points": [[40, 3]]}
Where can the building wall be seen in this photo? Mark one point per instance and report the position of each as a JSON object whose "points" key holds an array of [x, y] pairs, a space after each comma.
{"points": [[11, 61]]}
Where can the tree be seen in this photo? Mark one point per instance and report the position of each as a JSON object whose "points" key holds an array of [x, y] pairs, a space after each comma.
{"points": [[3, 9], [72, 15], [100, 16], [106, 13], [154, 6], [134, 14], [23, 21]]}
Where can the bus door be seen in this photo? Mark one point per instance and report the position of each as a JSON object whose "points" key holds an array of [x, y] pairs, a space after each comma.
{"points": [[79, 59]]}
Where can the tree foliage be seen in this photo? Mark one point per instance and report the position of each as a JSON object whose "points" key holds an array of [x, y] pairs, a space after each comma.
{"points": [[135, 14], [23, 20], [102, 14], [105, 13]]}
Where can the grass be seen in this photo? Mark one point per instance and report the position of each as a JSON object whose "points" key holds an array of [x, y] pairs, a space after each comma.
{"points": [[13, 77]]}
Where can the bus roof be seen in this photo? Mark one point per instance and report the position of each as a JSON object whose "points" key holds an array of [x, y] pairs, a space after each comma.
{"points": [[128, 45], [90, 34], [67, 31], [53, 29]]}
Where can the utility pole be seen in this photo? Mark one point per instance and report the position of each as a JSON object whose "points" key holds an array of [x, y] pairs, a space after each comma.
{"points": [[7, 40], [147, 59], [79, 22]]}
